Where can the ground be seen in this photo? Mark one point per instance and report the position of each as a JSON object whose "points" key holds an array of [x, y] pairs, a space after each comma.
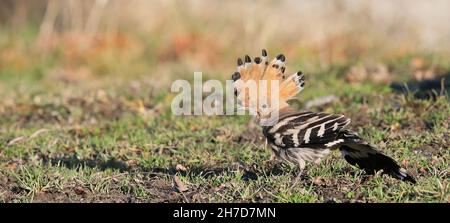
{"points": [[120, 143]]}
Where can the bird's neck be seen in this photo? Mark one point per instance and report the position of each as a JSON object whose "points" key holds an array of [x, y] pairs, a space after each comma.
{"points": [[274, 116]]}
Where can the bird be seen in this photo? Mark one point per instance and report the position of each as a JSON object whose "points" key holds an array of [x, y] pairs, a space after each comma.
{"points": [[301, 137]]}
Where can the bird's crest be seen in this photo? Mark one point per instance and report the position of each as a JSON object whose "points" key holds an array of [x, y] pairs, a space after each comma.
{"points": [[262, 86]]}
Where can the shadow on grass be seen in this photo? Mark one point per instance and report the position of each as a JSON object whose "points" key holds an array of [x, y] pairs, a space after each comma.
{"points": [[203, 171], [424, 89], [72, 162]]}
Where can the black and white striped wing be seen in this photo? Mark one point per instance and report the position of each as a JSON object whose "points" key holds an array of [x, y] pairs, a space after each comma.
{"points": [[307, 129]]}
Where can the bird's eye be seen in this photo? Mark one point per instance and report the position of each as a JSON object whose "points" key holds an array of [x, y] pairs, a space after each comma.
{"points": [[264, 106]]}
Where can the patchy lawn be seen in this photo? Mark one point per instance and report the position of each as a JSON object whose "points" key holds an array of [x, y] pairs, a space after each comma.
{"points": [[120, 143]]}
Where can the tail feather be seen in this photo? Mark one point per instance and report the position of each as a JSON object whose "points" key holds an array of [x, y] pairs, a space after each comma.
{"points": [[370, 160]]}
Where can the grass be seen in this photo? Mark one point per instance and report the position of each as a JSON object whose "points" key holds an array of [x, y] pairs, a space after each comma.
{"points": [[106, 137], [126, 156]]}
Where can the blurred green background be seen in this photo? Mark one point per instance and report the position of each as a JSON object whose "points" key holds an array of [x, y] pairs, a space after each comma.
{"points": [[64, 42]]}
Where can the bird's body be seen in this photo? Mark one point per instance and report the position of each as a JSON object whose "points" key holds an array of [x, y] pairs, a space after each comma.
{"points": [[301, 137]]}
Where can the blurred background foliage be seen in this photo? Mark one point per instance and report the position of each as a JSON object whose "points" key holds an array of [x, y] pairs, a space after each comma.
{"points": [[52, 43]]}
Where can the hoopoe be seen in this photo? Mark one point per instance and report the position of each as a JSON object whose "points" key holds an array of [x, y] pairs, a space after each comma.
{"points": [[301, 137]]}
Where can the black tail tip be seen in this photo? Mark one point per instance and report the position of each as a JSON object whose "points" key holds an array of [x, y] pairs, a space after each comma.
{"points": [[401, 174], [408, 178]]}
